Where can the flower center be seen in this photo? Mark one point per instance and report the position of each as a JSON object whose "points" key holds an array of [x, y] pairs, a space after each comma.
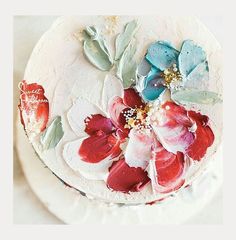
{"points": [[136, 118], [171, 75]]}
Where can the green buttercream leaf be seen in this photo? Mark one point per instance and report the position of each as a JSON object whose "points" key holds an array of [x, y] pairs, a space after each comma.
{"points": [[195, 96], [52, 134], [95, 49], [124, 38], [127, 66]]}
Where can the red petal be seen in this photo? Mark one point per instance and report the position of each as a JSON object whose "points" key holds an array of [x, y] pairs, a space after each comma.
{"points": [[126, 179], [98, 122], [98, 147], [176, 114], [204, 136], [122, 134], [169, 168], [33, 105], [132, 98]]}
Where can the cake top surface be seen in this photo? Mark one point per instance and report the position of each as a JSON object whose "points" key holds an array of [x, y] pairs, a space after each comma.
{"points": [[126, 109]]}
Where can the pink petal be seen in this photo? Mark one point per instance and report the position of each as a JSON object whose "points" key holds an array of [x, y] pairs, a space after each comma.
{"points": [[172, 126], [204, 136], [138, 150], [132, 98], [34, 106], [126, 179], [116, 108], [98, 147], [98, 122]]}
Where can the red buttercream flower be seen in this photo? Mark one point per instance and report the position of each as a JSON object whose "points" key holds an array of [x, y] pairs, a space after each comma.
{"points": [[106, 134], [158, 147], [103, 141], [132, 143], [34, 107]]}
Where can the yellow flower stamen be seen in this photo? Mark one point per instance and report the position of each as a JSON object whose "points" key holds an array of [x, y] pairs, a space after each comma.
{"points": [[171, 74]]}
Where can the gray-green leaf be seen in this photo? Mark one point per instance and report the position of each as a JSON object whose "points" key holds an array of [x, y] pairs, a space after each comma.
{"points": [[124, 38], [52, 134], [195, 96], [95, 49], [127, 66]]}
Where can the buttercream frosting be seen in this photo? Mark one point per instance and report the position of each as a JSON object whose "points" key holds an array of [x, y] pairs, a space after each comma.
{"points": [[76, 90]]}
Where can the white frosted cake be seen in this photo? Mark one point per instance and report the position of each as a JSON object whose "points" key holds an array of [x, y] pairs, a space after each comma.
{"points": [[124, 109]]}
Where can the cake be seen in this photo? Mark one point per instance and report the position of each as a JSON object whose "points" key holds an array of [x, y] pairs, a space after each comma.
{"points": [[124, 109]]}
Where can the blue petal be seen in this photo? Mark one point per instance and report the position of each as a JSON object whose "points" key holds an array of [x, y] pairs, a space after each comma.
{"points": [[153, 73], [190, 56], [152, 92], [198, 77], [162, 55]]}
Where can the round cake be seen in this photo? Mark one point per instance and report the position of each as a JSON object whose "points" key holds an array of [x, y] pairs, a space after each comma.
{"points": [[124, 109]]}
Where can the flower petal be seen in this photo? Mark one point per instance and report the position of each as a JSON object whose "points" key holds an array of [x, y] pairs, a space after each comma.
{"points": [[132, 98], [126, 179], [97, 122], [93, 171], [153, 85], [204, 136], [80, 110], [98, 147], [162, 55], [198, 78], [116, 107], [138, 150], [34, 107], [172, 126], [190, 56], [169, 169], [112, 88], [171, 172]]}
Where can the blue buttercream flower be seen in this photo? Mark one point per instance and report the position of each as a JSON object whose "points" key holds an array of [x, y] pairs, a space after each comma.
{"points": [[173, 69]]}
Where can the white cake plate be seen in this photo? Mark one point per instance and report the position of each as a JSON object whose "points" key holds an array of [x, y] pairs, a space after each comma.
{"points": [[71, 207]]}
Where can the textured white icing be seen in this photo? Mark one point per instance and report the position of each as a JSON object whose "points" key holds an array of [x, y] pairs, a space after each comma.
{"points": [[80, 110], [57, 63]]}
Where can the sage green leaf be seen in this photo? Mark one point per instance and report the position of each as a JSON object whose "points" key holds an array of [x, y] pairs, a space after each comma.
{"points": [[195, 96], [95, 49], [127, 66], [52, 134], [124, 38]]}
